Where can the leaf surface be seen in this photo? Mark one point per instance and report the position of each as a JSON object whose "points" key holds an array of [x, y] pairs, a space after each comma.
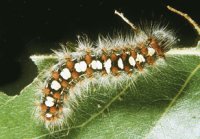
{"points": [[164, 103]]}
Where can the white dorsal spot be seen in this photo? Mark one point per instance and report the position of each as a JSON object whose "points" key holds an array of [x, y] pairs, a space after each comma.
{"points": [[94, 64], [55, 85], [49, 98], [99, 65], [131, 61], [49, 101], [108, 70], [120, 63], [77, 67], [65, 73], [83, 66], [107, 65], [48, 115], [151, 51], [140, 58]]}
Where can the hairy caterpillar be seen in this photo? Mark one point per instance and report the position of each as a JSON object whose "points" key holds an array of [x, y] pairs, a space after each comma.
{"points": [[107, 61]]}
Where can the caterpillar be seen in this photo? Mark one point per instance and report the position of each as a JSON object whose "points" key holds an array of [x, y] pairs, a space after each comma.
{"points": [[104, 61]]}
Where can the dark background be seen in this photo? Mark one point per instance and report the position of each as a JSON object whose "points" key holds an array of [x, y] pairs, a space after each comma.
{"points": [[35, 26]]}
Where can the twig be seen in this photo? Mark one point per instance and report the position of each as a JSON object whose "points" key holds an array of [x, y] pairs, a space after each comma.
{"points": [[187, 17], [126, 20]]}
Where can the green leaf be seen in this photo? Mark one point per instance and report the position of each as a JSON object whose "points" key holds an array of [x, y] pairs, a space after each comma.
{"points": [[164, 103]]}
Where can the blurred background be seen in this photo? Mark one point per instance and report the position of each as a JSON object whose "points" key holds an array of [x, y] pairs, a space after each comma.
{"points": [[30, 27]]}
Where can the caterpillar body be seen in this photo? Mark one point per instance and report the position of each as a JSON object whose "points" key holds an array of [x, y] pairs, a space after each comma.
{"points": [[92, 62]]}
